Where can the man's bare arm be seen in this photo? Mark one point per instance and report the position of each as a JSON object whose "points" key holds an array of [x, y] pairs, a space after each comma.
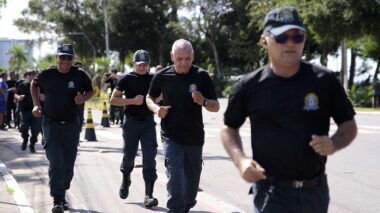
{"points": [[212, 105], [345, 134], [35, 93], [249, 169], [325, 145], [161, 111], [118, 100]]}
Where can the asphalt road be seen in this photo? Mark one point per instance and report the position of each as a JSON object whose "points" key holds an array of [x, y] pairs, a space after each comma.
{"points": [[354, 173]]}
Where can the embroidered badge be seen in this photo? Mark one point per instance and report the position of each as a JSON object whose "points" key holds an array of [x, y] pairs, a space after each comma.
{"points": [[192, 87], [71, 85], [311, 102]]}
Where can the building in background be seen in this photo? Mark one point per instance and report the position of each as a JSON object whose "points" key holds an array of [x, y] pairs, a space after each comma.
{"points": [[6, 44]]}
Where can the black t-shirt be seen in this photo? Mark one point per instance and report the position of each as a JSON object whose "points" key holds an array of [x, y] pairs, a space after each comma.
{"points": [[26, 104], [183, 123], [11, 94], [112, 83], [60, 90], [284, 113], [134, 84]]}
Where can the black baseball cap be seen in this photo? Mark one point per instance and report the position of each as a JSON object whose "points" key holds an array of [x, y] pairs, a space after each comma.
{"points": [[141, 56], [280, 20], [65, 49]]}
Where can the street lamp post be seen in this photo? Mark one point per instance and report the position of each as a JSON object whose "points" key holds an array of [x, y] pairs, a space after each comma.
{"points": [[105, 7]]}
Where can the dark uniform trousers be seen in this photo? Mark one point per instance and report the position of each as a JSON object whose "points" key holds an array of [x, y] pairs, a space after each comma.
{"points": [[183, 169], [61, 140], [144, 130], [271, 198], [34, 123]]}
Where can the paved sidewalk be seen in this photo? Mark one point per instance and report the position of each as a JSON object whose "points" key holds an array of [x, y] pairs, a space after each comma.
{"points": [[12, 198], [7, 203]]}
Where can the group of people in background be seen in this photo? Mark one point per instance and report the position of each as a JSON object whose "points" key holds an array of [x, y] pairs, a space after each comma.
{"points": [[16, 107], [289, 103]]}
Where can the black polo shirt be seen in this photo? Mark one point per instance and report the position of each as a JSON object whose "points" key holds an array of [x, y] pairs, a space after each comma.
{"points": [[26, 104], [60, 90], [184, 123], [134, 84], [284, 113]]}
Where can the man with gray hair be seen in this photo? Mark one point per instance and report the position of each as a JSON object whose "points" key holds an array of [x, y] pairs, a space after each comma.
{"points": [[185, 89]]}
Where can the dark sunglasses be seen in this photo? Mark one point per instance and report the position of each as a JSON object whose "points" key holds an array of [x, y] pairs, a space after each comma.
{"points": [[65, 57], [283, 38]]}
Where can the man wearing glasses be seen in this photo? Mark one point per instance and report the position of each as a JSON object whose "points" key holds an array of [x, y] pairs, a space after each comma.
{"points": [[289, 103], [65, 87]]}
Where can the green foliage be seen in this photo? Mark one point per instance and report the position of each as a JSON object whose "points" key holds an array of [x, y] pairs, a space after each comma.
{"points": [[228, 89], [3, 3], [46, 62], [361, 96], [18, 58]]}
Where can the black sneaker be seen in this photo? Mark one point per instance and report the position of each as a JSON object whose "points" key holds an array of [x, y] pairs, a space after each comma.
{"points": [[58, 208], [23, 146], [124, 188], [191, 205], [150, 202], [65, 205], [32, 149]]}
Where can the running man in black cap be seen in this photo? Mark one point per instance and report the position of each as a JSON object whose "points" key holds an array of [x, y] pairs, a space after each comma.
{"points": [[289, 103], [139, 125], [65, 88]]}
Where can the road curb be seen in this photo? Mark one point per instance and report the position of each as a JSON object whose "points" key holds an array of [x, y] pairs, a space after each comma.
{"points": [[18, 195]]}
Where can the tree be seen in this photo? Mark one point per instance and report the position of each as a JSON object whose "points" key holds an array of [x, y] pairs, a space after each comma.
{"points": [[2, 4], [140, 25], [18, 58], [71, 20]]}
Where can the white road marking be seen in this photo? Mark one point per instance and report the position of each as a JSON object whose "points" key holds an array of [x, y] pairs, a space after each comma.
{"points": [[212, 202], [18, 195]]}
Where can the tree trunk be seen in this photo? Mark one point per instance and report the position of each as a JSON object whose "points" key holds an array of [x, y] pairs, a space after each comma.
{"points": [[323, 59], [161, 53], [377, 71], [122, 60], [216, 58], [352, 68]]}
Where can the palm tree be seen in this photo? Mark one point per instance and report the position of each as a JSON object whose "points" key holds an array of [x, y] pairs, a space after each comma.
{"points": [[18, 57]]}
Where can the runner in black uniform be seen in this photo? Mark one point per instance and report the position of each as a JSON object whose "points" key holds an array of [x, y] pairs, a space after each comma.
{"points": [[25, 107], [11, 104], [289, 104], [185, 88], [65, 88], [139, 126]]}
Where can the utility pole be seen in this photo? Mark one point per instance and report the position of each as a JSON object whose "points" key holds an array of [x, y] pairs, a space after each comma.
{"points": [[105, 6]]}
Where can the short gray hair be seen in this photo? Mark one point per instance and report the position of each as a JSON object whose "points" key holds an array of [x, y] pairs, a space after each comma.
{"points": [[182, 44]]}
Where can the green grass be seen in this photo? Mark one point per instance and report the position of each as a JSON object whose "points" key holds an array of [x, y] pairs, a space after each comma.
{"points": [[10, 190], [97, 102]]}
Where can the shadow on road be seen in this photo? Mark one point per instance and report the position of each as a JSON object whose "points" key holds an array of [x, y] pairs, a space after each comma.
{"points": [[155, 209], [83, 211]]}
